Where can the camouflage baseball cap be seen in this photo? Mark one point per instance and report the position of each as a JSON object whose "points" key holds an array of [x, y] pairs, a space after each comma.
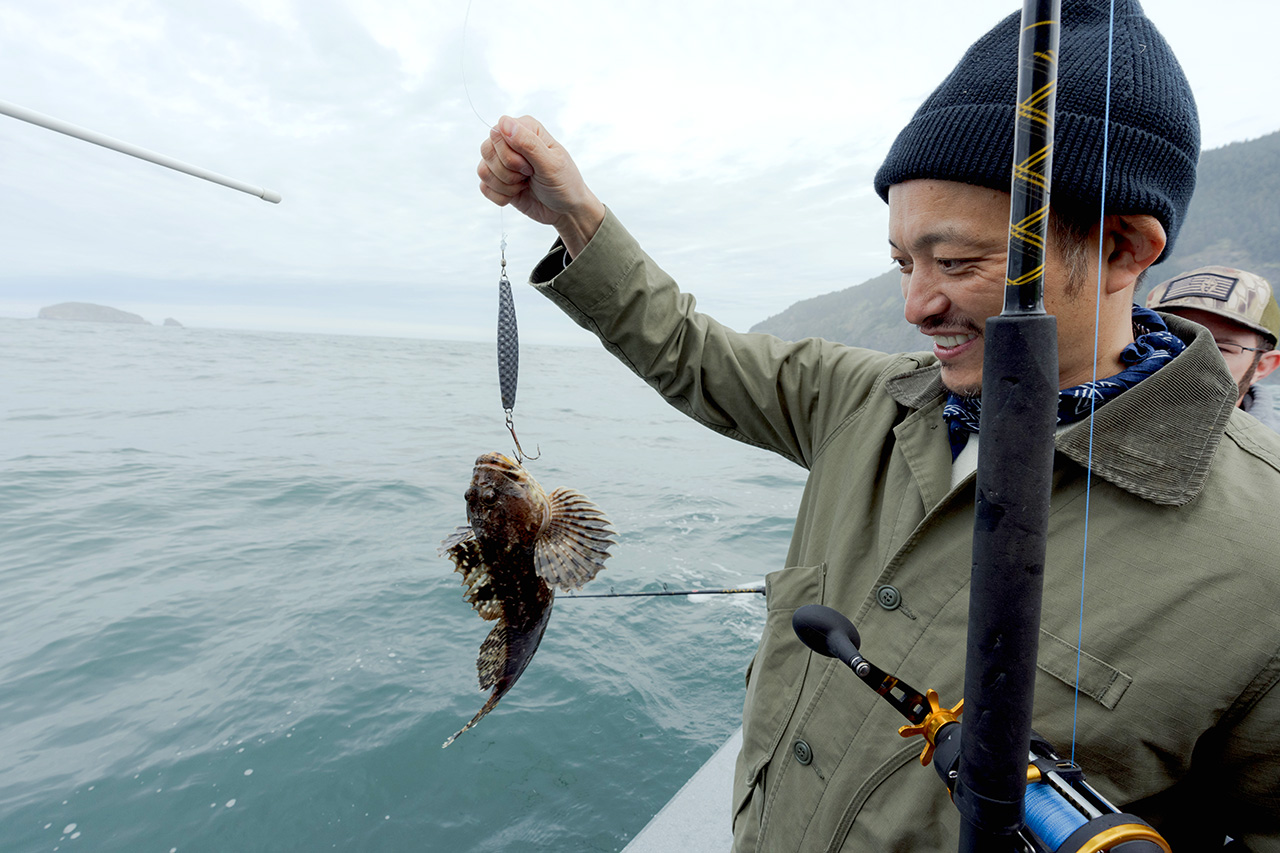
{"points": [[1239, 296]]}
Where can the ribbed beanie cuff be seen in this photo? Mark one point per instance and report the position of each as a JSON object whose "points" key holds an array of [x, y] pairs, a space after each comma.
{"points": [[964, 130]]}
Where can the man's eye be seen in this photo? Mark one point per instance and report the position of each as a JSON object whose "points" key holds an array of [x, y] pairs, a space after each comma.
{"points": [[904, 264]]}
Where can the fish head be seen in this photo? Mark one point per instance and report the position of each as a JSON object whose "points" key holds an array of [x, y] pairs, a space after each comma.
{"points": [[505, 504]]}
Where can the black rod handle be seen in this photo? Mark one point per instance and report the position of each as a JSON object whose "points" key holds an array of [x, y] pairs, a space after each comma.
{"points": [[827, 632]]}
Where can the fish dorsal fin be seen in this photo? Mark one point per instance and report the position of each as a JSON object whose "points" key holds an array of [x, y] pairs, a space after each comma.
{"points": [[462, 548], [573, 547]]}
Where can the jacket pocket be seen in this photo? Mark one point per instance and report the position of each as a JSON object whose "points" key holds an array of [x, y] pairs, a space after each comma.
{"points": [[775, 676], [1098, 680]]}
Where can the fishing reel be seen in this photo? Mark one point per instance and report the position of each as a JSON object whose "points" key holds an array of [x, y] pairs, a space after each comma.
{"points": [[1062, 813]]}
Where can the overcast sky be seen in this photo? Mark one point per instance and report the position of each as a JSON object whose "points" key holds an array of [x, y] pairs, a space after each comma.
{"points": [[737, 141]]}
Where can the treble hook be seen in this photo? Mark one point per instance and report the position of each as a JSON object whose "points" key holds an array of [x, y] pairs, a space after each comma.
{"points": [[511, 428]]}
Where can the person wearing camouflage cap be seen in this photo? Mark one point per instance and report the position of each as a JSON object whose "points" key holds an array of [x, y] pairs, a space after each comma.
{"points": [[1240, 310]]}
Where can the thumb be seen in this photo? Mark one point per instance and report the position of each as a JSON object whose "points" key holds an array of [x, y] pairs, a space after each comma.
{"points": [[527, 137]]}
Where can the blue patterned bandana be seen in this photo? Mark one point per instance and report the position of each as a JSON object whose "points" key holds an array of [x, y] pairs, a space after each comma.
{"points": [[1154, 346]]}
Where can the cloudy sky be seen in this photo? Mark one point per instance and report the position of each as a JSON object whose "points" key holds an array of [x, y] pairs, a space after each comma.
{"points": [[737, 141]]}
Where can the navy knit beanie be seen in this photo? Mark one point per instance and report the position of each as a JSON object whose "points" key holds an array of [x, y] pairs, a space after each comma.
{"points": [[964, 130]]}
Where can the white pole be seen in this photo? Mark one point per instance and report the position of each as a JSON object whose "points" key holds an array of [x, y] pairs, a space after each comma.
{"points": [[33, 117]]}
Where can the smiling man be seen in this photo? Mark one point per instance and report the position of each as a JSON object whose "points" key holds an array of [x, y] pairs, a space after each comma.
{"points": [[1175, 684]]}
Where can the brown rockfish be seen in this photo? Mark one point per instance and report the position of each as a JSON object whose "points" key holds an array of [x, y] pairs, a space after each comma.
{"points": [[519, 543]]}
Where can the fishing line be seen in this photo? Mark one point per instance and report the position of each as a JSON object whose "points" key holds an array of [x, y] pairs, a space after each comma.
{"points": [[462, 62], [1093, 400], [508, 331], [759, 589]]}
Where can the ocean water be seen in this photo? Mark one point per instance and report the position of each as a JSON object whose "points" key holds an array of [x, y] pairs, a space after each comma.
{"points": [[225, 625]]}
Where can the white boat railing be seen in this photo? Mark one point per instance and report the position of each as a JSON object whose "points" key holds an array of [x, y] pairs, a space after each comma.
{"points": [[697, 817]]}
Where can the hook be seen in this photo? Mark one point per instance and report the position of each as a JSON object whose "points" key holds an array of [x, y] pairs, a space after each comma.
{"points": [[511, 428]]}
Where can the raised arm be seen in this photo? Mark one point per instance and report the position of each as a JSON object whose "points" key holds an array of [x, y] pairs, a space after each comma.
{"points": [[783, 396]]}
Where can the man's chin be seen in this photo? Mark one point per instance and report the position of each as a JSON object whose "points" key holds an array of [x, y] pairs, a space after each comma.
{"points": [[960, 385]]}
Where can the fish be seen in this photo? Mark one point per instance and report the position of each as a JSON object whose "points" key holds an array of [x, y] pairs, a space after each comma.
{"points": [[520, 544]]}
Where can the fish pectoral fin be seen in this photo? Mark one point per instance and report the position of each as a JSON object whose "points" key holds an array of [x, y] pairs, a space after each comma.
{"points": [[456, 538], [480, 594], [573, 548]]}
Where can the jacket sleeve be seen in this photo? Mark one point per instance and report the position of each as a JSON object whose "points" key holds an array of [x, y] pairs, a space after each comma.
{"points": [[784, 396]]}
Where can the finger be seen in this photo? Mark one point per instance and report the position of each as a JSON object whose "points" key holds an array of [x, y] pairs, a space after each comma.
{"points": [[498, 184], [503, 152], [493, 164], [538, 130], [530, 141], [494, 161], [496, 197]]}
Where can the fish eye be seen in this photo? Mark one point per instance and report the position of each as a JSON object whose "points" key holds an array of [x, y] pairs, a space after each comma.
{"points": [[481, 495]]}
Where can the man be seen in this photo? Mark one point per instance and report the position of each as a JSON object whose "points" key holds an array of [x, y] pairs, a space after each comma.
{"points": [[1239, 309], [1179, 713]]}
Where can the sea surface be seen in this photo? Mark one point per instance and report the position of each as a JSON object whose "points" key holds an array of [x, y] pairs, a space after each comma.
{"points": [[224, 624]]}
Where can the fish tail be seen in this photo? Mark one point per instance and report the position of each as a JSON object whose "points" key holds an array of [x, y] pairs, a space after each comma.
{"points": [[488, 706]]}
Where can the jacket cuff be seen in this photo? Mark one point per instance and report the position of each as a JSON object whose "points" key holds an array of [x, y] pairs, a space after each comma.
{"points": [[578, 284]]}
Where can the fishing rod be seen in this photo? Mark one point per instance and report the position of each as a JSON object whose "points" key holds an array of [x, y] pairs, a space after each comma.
{"points": [[51, 123], [1014, 479], [759, 589]]}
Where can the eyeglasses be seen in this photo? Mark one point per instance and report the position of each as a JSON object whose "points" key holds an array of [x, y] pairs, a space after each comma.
{"points": [[1235, 349]]}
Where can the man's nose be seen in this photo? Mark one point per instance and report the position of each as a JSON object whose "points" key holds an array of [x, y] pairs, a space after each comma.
{"points": [[923, 297]]}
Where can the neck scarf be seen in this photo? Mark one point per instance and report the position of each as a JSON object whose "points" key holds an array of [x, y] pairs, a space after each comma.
{"points": [[1153, 347]]}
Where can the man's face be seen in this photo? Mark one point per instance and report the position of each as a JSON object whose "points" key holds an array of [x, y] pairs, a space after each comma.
{"points": [[951, 242]]}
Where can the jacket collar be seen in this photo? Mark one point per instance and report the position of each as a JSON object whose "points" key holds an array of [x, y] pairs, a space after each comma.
{"points": [[1156, 440]]}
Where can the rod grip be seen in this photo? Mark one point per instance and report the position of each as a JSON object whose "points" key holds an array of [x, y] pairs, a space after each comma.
{"points": [[1010, 536]]}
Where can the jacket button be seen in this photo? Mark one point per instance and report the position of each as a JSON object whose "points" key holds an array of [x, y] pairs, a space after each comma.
{"points": [[802, 752], [888, 597]]}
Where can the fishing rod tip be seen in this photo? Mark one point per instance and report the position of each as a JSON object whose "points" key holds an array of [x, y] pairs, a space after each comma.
{"points": [[271, 196]]}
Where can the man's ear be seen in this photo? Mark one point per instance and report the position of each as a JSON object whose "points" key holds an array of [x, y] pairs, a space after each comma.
{"points": [[1267, 363], [1131, 243]]}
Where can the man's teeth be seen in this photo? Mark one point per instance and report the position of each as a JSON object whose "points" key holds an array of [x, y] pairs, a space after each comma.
{"points": [[952, 340]]}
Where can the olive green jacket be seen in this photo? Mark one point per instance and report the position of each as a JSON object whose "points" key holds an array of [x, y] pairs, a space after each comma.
{"points": [[1179, 713]]}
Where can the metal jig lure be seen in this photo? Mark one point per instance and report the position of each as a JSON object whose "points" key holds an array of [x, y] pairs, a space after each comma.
{"points": [[509, 353]]}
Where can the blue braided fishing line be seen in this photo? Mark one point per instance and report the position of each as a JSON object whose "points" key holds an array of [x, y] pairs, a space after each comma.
{"points": [[1049, 816], [1088, 481]]}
